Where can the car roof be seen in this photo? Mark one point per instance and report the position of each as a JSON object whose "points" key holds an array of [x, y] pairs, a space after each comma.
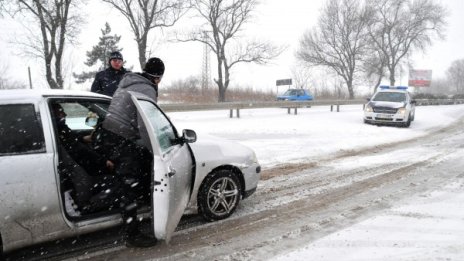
{"points": [[37, 94], [295, 89]]}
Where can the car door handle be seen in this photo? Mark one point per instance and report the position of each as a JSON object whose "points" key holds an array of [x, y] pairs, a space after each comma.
{"points": [[172, 171]]}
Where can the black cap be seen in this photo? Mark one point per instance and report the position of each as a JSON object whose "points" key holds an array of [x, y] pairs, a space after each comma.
{"points": [[115, 55], [154, 67]]}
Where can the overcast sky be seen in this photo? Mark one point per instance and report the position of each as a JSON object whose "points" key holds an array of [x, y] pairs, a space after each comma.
{"points": [[281, 22]]}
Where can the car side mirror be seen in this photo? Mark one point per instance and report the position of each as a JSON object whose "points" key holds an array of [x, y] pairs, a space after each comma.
{"points": [[368, 98], [189, 136]]}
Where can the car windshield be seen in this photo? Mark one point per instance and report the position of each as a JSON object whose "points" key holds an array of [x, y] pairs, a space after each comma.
{"points": [[390, 97], [293, 92]]}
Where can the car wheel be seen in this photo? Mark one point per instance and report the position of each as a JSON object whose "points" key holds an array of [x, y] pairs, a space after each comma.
{"points": [[219, 195], [1, 247], [408, 123]]}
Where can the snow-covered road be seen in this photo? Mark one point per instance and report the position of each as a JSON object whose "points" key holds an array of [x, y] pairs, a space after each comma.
{"points": [[333, 189]]}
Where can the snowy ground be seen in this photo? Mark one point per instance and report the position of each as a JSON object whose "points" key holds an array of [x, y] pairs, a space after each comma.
{"points": [[279, 138], [332, 188], [428, 226]]}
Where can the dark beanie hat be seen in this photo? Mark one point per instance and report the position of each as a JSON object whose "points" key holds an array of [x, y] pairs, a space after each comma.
{"points": [[115, 55], [154, 67]]}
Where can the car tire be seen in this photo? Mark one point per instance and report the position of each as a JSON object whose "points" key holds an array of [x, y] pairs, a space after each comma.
{"points": [[1, 248], [219, 195], [408, 123]]}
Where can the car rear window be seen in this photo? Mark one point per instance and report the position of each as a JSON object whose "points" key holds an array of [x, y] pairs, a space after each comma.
{"points": [[20, 130]]}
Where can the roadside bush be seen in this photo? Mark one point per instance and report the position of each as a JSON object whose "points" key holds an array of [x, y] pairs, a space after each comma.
{"points": [[182, 93], [458, 96], [429, 96]]}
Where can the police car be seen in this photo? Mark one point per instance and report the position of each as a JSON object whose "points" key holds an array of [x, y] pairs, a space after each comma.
{"points": [[390, 106]]}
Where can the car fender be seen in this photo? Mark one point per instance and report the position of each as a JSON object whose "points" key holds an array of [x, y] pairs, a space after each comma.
{"points": [[212, 152]]}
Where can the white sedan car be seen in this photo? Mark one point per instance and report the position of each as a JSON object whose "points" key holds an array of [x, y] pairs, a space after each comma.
{"points": [[45, 193]]}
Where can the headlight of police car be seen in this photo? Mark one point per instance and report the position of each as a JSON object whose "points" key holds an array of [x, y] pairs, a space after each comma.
{"points": [[402, 111], [369, 108]]}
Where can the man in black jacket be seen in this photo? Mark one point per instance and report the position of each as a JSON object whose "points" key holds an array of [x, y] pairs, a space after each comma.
{"points": [[106, 82], [124, 137]]}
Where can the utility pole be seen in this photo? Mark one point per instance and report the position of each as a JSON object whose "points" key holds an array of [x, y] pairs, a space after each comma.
{"points": [[206, 68], [30, 78]]}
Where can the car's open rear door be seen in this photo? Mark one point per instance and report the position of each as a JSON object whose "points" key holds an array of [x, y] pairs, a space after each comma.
{"points": [[173, 167]]}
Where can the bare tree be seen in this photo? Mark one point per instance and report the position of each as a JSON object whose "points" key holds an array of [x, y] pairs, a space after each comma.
{"points": [[455, 75], [374, 66], [400, 26], [145, 15], [5, 82], [301, 77], [2, 7], [338, 41], [224, 21], [57, 25], [189, 85], [439, 86]]}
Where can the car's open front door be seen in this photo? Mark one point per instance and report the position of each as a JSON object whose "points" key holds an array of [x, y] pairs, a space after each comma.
{"points": [[173, 167]]}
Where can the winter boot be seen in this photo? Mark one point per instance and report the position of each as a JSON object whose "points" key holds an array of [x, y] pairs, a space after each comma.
{"points": [[139, 239], [132, 234]]}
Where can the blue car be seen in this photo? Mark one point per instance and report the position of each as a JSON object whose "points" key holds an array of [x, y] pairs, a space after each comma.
{"points": [[296, 95]]}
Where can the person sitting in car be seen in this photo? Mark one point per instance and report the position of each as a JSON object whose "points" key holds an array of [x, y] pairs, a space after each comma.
{"points": [[92, 162]]}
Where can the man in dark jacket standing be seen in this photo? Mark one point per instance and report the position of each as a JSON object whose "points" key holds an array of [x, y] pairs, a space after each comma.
{"points": [[106, 82], [123, 132]]}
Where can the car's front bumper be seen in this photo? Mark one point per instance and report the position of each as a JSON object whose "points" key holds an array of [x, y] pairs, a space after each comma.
{"points": [[384, 118], [251, 176]]}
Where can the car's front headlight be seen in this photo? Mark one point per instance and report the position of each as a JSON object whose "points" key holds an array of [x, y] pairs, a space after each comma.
{"points": [[402, 111], [368, 108]]}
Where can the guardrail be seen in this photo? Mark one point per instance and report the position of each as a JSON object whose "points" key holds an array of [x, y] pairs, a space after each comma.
{"points": [[237, 106], [425, 102]]}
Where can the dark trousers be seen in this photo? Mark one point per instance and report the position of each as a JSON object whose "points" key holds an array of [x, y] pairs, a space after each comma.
{"points": [[133, 171]]}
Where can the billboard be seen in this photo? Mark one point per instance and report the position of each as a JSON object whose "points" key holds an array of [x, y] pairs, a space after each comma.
{"points": [[420, 78], [284, 82]]}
